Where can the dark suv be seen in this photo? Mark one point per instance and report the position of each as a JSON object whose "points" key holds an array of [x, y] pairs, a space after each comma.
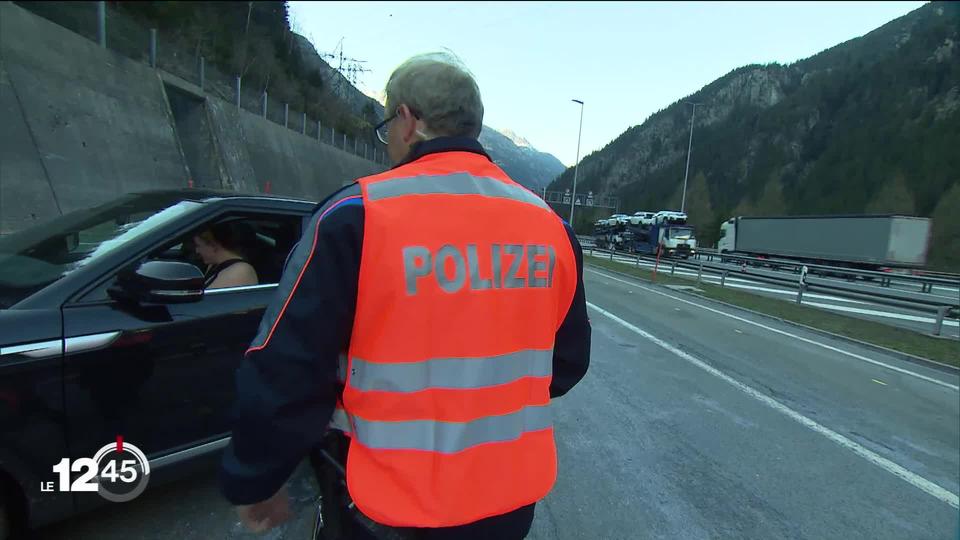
{"points": [[105, 330]]}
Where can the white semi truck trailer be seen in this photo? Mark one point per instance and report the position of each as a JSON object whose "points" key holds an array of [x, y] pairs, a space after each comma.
{"points": [[868, 242]]}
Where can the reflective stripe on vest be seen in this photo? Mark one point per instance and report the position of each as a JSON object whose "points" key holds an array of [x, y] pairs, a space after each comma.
{"points": [[340, 420], [453, 184], [450, 372], [342, 366], [450, 437], [465, 277]]}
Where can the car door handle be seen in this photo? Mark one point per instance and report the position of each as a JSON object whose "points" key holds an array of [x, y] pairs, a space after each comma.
{"points": [[73, 345], [70, 345], [40, 349]]}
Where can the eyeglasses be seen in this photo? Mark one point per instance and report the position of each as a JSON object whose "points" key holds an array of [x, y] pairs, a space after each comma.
{"points": [[383, 129]]}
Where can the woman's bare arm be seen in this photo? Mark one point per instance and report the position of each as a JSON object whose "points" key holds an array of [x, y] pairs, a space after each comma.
{"points": [[236, 275]]}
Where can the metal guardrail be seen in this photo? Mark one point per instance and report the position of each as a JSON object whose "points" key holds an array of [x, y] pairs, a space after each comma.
{"points": [[926, 281], [585, 241], [885, 278], [940, 305], [935, 274]]}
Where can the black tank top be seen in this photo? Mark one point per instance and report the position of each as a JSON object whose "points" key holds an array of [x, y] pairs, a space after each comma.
{"points": [[215, 270]]}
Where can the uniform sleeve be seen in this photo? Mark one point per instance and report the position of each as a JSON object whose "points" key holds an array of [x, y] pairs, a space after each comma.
{"points": [[571, 351], [286, 385]]}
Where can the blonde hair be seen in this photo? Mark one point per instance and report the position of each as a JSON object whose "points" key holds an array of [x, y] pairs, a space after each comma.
{"points": [[441, 91]]}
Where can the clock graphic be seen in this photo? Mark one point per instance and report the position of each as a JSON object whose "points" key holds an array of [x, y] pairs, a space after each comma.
{"points": [[123, 471]]}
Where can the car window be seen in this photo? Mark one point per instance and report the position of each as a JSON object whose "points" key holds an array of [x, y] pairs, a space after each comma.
{"points": [[36, 257], [271, 239]]}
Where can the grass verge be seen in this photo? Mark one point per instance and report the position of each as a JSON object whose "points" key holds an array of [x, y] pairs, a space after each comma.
{"points": [[946, 351]]}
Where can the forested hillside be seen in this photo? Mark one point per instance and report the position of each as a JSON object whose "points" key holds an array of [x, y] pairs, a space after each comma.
{"points": [[869, 126]]}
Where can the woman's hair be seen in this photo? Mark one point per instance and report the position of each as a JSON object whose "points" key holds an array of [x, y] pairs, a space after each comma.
{"points": [[234, 236], [441, 90]]}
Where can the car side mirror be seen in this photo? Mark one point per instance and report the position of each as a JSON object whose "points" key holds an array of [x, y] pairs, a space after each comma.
{"points": [[159, 282]]}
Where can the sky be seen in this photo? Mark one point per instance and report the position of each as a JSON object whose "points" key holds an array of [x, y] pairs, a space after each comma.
{"points": [[624, 60]]}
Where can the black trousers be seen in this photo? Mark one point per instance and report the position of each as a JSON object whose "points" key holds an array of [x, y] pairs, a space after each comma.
{"points": [[510, 526], [340, 522]]}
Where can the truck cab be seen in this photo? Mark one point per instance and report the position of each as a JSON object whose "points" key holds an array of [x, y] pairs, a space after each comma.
{"points": [[728, 236], [678, 240]]}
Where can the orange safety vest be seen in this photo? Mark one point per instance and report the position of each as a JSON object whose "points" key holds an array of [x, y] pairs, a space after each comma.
{"points": [[465, 277]]}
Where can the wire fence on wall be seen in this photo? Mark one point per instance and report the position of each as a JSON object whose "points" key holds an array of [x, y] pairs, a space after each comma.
{"points": [[162, 50]]}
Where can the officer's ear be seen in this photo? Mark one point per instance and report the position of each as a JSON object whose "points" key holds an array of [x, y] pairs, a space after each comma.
{"points": [[407, 123]]}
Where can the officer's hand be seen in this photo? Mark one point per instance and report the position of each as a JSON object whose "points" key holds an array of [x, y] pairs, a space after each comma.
{"points": [[267, 514]]}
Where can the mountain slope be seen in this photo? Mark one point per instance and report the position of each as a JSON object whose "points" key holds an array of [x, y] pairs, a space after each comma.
{"points": [[352, 99], [871, 125], [524, 163]]}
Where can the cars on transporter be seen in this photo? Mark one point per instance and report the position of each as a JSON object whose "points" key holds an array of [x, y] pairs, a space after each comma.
{"points": [[642, 218], [105, 330]]}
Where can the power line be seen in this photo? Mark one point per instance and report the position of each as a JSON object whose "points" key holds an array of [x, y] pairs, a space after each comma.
{"points": [[350, 68]]}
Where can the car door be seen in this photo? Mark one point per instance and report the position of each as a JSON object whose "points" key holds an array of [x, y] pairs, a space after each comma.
{"points": [[32, 427], [160, 375]]}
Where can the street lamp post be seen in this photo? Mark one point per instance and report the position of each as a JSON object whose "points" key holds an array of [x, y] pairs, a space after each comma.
{"points": [[683, 200], [576, 166]]}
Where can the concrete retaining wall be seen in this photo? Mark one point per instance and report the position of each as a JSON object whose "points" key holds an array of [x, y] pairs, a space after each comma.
{"points": [[83, 125], [237, 168], [98, 121], [297, 164], [25, 194]]}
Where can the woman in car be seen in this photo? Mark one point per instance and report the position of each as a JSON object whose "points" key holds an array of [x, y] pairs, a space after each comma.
{"points": [[222, 248]]}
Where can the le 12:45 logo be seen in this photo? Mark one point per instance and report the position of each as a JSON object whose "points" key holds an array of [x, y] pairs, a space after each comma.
{"points": [[119, 472]]}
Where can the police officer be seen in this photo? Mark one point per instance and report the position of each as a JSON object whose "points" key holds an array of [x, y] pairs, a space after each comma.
{"points": [[429, 312]]}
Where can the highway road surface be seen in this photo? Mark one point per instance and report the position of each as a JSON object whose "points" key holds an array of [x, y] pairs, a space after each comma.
{"points": [[920, 321], [698, 421], [695, 421]]}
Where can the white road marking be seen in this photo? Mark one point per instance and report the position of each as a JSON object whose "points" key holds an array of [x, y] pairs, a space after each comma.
{"points": [[879, 382], [738, 331], [900, 472], [788, 334]]}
